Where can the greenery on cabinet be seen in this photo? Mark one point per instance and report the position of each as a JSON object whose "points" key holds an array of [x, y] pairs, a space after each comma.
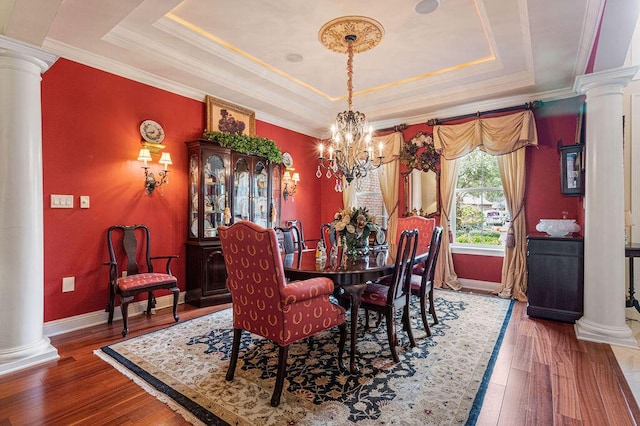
{"points": [[252, 145]]}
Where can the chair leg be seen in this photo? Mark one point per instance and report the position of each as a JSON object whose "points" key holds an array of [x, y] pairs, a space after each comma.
{"points": [[176, 294], [235, 349], [423, 312], [150, 302], [282, 372], [391, 335], [124, 307], [432, 308], [341, 342], [407, 325], [111, 306]]}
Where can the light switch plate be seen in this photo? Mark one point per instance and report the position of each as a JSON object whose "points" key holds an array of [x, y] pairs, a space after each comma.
{"points": [[68, 284], [84, 201], [61, 201]]}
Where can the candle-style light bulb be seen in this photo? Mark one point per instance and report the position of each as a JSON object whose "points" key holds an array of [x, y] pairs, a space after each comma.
{"points": [[331, 153], [380, 149]]}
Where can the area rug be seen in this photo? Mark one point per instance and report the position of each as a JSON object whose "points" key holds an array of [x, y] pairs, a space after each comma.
{"points": [[440, 381]]}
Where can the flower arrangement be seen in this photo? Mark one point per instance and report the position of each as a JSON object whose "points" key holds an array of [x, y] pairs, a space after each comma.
{"points": [[428, 159], [354, 226]]}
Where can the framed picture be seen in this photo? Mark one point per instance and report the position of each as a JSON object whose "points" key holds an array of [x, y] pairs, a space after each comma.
{"points": [[226, 117], [572, 169]]}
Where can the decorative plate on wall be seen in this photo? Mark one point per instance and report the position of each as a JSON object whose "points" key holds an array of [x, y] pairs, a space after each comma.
{"points": [[287, 160], [151, 131]]}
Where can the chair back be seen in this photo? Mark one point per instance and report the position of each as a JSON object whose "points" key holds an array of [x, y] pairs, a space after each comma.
{"points": [[424, 226], [130, 246], [328, 238], [288, 238], [299, 237], [255, 277], [430, 264], [400, 286]]}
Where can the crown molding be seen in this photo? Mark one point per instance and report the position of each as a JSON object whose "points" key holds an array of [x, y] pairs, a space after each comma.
{"points": [[39, 57]]}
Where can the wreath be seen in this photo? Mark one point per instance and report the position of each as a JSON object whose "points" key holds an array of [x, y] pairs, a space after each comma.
{"points": [[427, 159]]}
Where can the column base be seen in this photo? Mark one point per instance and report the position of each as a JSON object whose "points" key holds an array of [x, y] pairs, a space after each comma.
{"points": [[35, 354], [592, 332]]}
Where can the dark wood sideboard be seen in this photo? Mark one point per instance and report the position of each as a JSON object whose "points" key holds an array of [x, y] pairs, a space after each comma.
{"points": [[556, 278]]}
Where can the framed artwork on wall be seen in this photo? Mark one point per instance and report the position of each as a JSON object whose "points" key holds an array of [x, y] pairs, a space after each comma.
{"points": [[223, 116], [572, 169]]}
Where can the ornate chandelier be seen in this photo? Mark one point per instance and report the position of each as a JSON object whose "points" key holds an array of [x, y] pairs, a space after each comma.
{"points": [[350, 150]]}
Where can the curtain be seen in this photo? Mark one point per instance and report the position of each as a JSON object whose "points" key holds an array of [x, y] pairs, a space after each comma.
{"points": [[495, 136], [348, 194], [389, 176], [445, 273], [502, 136], [514, 266]]}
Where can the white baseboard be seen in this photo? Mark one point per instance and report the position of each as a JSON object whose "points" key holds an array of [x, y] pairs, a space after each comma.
{"points": [[65, 325], [479, 285]]}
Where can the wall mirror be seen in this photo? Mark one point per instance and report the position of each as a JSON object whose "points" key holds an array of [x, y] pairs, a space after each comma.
{"points": [[422, 181], [422, 193]]}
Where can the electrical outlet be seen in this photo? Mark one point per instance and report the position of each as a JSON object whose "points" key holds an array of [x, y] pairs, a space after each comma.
{"points": [[84, 201], [68, 284], [124, 274]]}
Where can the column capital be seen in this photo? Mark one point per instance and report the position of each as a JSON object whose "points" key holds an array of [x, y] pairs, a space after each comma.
{"points": [[10, 47], [617, 77]]}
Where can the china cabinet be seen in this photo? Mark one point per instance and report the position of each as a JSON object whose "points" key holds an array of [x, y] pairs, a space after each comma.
{"points": [[224, 187]]}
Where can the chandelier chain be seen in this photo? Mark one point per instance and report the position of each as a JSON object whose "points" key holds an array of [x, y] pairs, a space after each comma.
{"points": [[350, 74]]}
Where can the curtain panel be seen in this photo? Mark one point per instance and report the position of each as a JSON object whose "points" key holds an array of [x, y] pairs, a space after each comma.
{"points": [[502, 136], [389, 176]]}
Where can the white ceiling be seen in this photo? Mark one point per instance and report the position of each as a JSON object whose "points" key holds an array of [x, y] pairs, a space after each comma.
{"points": [[468, 55]]}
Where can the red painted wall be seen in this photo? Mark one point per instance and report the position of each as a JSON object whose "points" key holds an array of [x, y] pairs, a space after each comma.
{"points": [[90, 145]]}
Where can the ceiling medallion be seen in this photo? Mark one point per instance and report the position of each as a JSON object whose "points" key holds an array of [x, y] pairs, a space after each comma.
{"points": [[350, 146], [368, 33]]}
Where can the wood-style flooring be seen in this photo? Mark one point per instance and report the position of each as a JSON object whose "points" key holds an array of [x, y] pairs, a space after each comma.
{"points": [[543, 376]]}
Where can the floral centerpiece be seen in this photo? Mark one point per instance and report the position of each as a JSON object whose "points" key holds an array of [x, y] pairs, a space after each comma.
{"points": [[354, 226]]}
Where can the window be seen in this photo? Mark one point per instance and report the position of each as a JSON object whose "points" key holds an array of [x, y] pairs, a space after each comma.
{"points": [[480, 216], [368, 195]]}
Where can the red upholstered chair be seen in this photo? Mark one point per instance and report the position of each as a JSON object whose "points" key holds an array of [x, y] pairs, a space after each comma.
{"points": [[125, 254], [422, 284], [264, 304], [389, 299], [425, 228]]}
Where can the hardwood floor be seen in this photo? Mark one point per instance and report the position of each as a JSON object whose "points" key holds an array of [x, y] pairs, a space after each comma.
{"points": [[543, 376]]}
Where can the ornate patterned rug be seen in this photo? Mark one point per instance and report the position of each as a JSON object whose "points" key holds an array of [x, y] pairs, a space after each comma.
{"points": [[440, 381]]}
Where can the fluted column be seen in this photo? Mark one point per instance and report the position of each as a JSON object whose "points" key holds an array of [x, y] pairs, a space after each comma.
{"points": [[604, 261], [22, 342]]}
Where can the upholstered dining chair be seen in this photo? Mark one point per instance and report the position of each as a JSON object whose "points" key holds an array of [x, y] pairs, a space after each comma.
{"points": [[328, 237], [264, 304], [127, 254], [287, 237], [425, 228], [387, 300]]}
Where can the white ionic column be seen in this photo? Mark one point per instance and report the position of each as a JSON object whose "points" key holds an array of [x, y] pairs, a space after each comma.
{"points": [[604, 261], [22, 342]]}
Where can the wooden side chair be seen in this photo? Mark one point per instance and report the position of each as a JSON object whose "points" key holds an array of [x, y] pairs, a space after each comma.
{"points": [[422, 284], [127, 254], [387, 300], [264, 304]]}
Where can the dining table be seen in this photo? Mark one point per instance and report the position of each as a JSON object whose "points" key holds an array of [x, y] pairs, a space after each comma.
{"points": [[348, 274]]}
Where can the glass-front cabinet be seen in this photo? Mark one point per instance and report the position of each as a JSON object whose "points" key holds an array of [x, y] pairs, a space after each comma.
{"points": [[224, 187]]}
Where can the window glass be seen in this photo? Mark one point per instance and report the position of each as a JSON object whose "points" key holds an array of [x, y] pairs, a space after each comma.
{"points": [[480, 215], [368, 195]]}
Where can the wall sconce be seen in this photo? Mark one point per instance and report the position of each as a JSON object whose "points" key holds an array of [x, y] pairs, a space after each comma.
{"points": [[290, 180], [150, 181]]}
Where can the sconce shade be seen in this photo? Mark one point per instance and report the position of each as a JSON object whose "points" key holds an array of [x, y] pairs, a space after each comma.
{"points": [[144, 155], [287, 175], [165, 159], [296, 177]]}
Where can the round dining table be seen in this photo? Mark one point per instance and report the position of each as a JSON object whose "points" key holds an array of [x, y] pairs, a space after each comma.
{"points": [[350, 275]]}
